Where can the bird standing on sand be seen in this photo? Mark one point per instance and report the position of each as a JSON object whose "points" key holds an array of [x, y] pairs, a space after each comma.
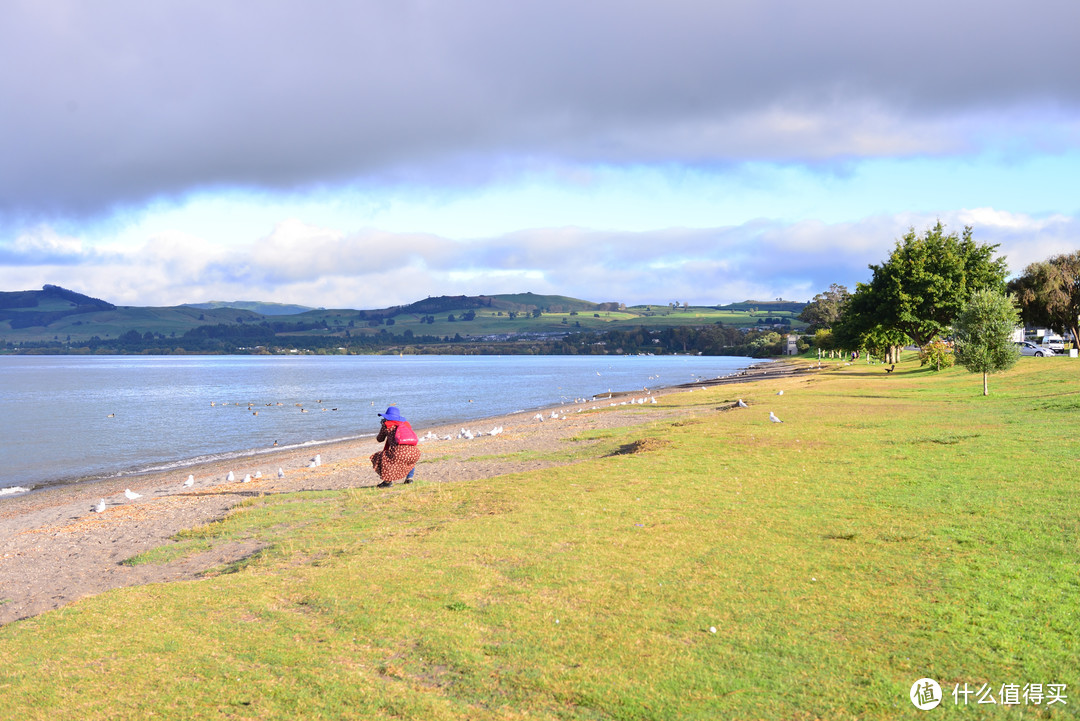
{"points": [[190, 481], [131, 495], [773, 418], [100, 507], [280, 473], [230, 477]]}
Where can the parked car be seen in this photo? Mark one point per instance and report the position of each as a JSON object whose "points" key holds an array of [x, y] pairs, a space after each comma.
{"points": [[1029, 348], [1054, 344]]}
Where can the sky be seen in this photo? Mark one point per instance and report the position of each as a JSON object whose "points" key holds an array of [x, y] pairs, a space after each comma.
{"points": [[367, 153]]}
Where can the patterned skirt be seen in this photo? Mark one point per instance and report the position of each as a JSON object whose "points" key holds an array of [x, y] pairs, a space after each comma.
{"points": [[394, 462]]}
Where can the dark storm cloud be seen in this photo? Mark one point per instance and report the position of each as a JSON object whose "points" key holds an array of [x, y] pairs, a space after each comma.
{"points": [[109, 104]]}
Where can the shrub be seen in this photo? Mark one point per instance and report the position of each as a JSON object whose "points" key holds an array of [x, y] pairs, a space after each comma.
{"points": [[938, 354]]}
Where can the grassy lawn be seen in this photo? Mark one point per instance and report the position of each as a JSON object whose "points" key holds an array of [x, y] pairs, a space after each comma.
{"points": [[892, 528]]}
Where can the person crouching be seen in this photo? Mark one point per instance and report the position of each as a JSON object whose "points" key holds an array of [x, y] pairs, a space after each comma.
{"points": [[398, 458]]}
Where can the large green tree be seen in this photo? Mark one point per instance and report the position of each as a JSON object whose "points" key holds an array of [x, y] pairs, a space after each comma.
{"points": [[924, 284], [983, 334], [825, 309], [1049, 294]]}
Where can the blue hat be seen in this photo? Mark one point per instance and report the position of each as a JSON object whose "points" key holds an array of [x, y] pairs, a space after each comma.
{"points": [[392, 414]]}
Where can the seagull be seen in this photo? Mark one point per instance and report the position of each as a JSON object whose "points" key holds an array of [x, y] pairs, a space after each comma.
{"points": [[190, 481], [230, 477], [773, 418], [258, 474], [280, 473], [740, 404], [318, 459], [779, 393], [247, 478], [100, 507], [131, 495], [539, 417]]}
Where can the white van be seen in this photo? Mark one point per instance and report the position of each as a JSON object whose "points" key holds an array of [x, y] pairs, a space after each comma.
{"points": [[1053, 342]]}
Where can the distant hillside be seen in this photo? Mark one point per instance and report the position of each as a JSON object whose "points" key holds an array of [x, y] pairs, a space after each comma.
{"points": [[522, 302], [766, 306], [58, 320], [551, 303], [255, 306], [30, 308]]}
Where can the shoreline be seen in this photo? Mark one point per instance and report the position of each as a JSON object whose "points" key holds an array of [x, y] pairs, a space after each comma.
{"points": [[186, 464], [54, 549]]}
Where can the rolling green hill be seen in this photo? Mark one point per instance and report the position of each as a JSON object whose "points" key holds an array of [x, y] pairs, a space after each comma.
{"points": [[255, 306], [58, 320]]}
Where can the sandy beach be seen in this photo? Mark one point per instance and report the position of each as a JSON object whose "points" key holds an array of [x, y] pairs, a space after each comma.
{"points": [[54, 549]]}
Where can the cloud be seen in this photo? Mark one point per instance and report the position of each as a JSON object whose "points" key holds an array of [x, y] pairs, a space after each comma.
{"points": [[111, 105], [319, 266], [42, 245]]}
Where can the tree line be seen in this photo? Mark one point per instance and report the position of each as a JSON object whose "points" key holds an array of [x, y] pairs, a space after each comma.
{"points": [[714, 339], [951, 296]]}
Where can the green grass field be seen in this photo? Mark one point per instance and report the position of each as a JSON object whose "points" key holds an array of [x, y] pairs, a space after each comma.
{"points": [[892, 528]]}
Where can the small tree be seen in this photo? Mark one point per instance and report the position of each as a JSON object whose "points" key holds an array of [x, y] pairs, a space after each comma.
{"points": [[938, 354], [823, 339], [984, 334]]}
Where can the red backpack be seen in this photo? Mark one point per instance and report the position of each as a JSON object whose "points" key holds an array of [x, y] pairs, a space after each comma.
{"points": [[405, 435]]}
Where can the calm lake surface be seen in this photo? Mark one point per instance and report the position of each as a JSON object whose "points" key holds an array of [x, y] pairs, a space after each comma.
{"points": [[80, 417]]}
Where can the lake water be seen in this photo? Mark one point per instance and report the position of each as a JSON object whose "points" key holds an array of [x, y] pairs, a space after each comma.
{"points": [[78, 417]]}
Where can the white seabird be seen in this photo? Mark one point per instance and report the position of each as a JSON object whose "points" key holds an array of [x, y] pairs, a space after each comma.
{"points": [[100, 507], [740, 404], [190, 481], [131, 495], [773, 418]]}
